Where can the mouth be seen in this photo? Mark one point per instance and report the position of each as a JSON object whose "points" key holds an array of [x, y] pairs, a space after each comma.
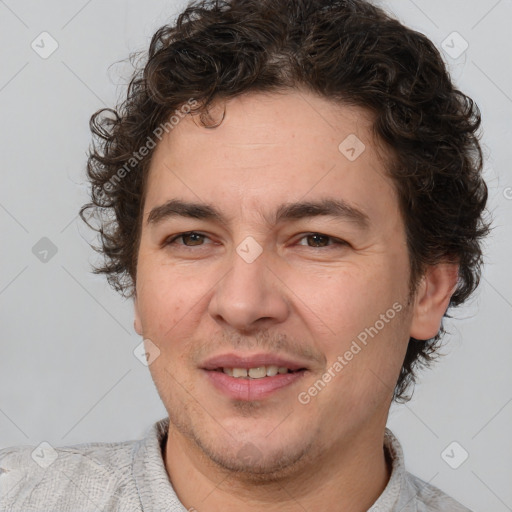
{"points": [[252, 377], [258, 372]]}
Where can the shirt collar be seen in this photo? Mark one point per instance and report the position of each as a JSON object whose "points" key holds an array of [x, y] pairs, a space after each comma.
{"points": [[396, 495], [155, 490]]}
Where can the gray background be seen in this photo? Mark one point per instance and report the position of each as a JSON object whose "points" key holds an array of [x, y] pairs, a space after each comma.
{"points": [[67, 370]]}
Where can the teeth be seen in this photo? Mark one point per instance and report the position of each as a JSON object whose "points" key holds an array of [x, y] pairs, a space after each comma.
{"points": [[239, 372], [271, 371], [255, 373]]}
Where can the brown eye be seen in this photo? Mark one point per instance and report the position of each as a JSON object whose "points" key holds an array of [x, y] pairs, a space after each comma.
{"points": [[189, 239], [194, 238], [319, 240]]}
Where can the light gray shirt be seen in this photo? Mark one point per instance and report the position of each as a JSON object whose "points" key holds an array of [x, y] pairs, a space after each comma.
{"points": [[130, 476]]}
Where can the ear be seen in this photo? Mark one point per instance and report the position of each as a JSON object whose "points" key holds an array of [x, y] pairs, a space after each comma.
{"points": [[432, 299], [137, 324]]}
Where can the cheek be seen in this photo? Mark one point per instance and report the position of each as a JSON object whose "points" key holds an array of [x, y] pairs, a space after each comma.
{"points": [[346, 300], [162, 299]]}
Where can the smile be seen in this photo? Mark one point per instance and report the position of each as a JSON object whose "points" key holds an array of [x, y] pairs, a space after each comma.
{"points": [[245, 387], [258, 372]]}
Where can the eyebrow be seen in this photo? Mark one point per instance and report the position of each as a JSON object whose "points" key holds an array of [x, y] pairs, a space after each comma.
{"points": [[336, 208]]}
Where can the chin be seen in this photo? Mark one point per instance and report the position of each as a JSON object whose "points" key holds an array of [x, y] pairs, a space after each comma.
{"points": [[265, 449], [254, 464]]}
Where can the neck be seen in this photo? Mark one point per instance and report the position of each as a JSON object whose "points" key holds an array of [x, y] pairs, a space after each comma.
{"points": [[348, 476]]}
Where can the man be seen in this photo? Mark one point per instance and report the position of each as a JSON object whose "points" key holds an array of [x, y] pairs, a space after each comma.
{"points": [[297, 201]]}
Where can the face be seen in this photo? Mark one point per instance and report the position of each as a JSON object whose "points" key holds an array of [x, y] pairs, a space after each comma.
{"points": [[260, 280]]}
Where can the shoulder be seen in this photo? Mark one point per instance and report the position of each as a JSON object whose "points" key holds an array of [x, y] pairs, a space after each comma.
{"points": [[84, 476], [429, 498]]}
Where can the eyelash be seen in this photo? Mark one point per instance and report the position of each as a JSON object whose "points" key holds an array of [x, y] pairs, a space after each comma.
{"points": [[336, 241]]}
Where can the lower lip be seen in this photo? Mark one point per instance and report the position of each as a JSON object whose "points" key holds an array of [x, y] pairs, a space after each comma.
{"points": [[251, 389]]}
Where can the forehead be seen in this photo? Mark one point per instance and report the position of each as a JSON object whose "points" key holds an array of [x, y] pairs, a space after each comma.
{"points": [[272, 149]]}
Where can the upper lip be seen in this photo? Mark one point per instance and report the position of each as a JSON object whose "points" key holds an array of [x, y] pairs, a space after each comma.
{"points": [[233, 360]]}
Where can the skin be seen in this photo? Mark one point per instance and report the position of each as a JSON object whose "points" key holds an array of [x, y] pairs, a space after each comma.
{"points": [[299, 298]]}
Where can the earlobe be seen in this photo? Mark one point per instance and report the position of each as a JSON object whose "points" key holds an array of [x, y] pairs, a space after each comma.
{"points": [[432, 299]]}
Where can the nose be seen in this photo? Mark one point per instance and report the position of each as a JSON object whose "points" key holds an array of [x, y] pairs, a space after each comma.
{"points": [[251, 296]]}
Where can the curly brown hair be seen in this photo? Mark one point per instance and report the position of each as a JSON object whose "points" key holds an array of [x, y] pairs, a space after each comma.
{"points": [[346, 51]]}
